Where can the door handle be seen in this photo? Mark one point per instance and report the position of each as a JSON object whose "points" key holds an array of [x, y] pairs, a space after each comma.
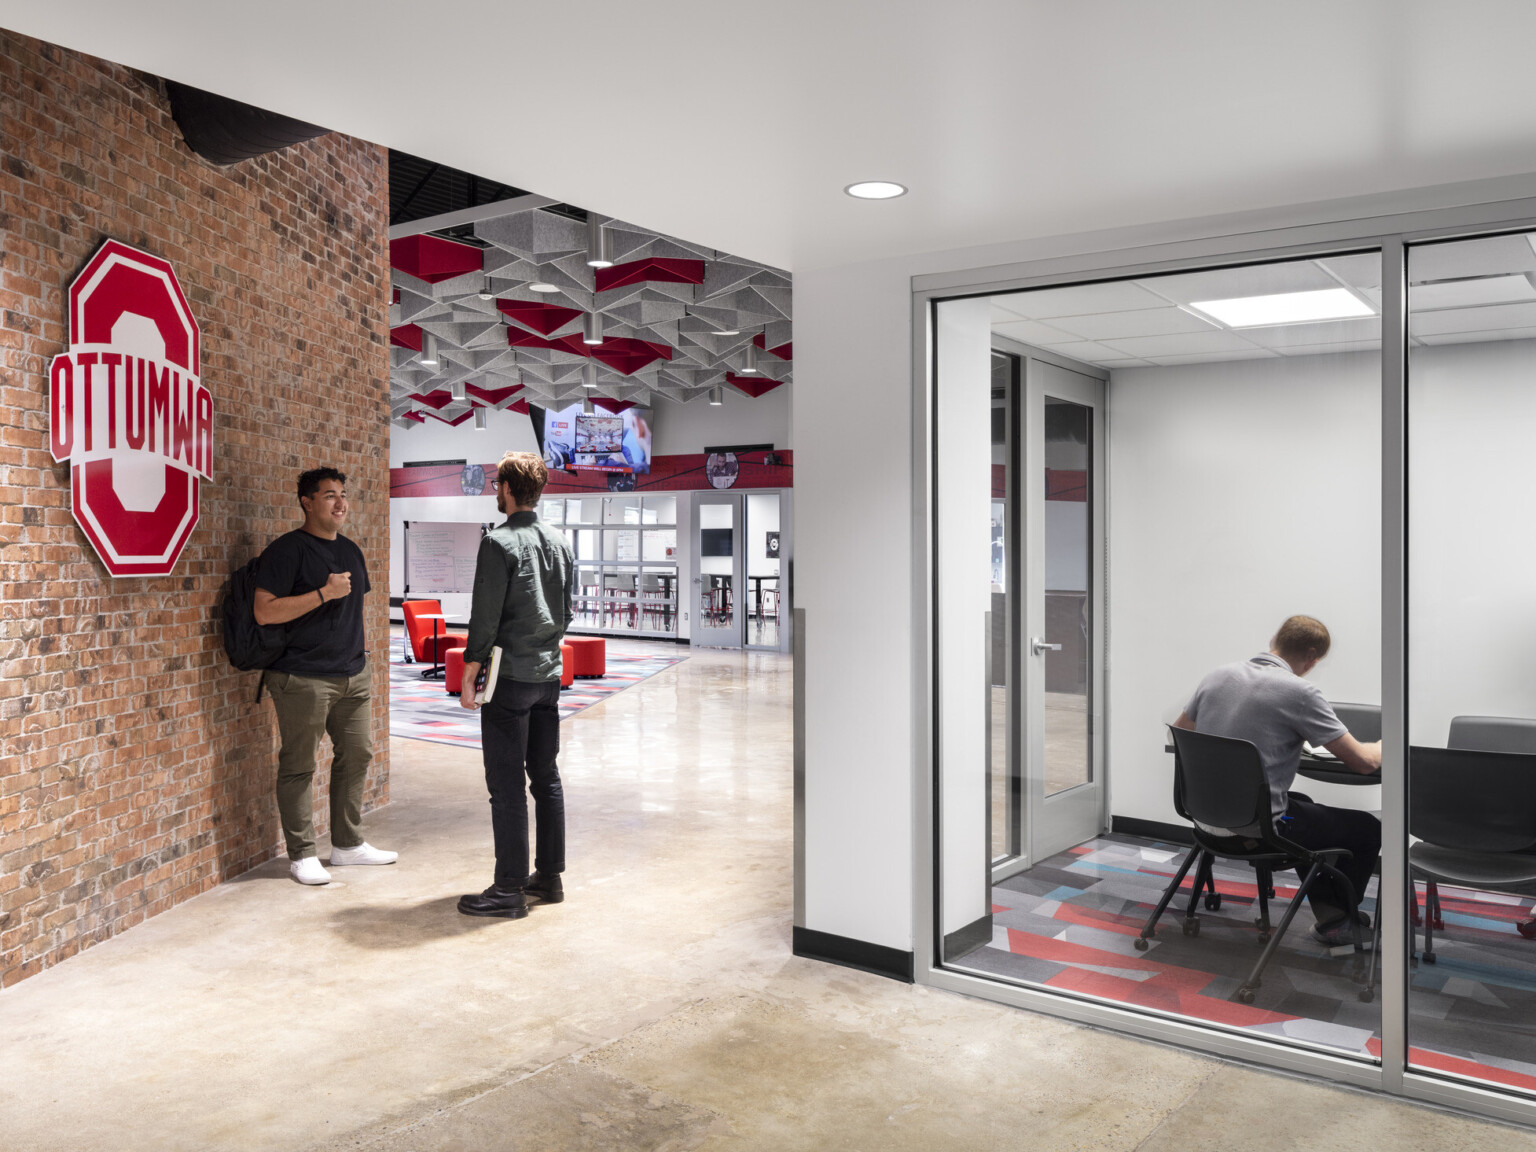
{"points": [[1040, 646]]}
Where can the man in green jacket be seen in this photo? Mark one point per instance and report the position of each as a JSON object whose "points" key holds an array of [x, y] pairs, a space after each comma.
{"points": [[522, 603]]}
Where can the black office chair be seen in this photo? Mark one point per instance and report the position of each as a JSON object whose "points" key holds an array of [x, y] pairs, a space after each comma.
{"points": [[1220, 782], [1362, 720], [1474, 815]]}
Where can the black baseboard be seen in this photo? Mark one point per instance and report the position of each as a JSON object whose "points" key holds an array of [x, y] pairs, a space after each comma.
{"points": [[968, 938], [877, 958], [1151, 829]]}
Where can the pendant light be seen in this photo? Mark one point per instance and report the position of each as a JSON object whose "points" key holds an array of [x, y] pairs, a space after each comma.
{"points": [[485, 289], [716, 396], [479, 419], [589, 375], [586, 407], [456, 389], [428, 350], [599, 244], [750, 367], [592, 328]]}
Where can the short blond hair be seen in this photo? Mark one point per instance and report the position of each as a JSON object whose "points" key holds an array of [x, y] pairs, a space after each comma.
{"points": [[524, 475], [1302, 638]]}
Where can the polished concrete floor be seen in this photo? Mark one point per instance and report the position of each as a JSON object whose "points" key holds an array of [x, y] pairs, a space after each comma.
{"points": [[657, 1008]]}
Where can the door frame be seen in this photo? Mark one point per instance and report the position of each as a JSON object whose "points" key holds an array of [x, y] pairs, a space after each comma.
{"points": [[1082, 808], [786, 564], [737, 503]]}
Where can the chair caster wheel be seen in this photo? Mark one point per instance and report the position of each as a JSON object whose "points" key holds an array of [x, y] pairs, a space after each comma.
{"points": [[1429, 958], [1140, 944], [1212, 903], [1367, 995], [1243, 996], [1191, 927]]}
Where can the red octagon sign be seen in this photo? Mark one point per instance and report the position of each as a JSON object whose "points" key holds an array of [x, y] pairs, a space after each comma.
{"points": [[128, 411]]}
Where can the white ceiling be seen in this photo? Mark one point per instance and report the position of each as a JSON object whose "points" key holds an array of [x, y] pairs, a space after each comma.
{"points": [[737, 125], [1474, 290]]}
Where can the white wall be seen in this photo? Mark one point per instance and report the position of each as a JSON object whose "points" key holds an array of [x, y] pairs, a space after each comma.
{"points": [[853, 578], [685, 429], [1239, 494], [1472, 534], [450, 509], [505, 431]]}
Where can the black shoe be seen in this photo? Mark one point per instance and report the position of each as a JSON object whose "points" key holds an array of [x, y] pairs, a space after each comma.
{"points": [[1341, 933], [508, 903], [546, 889]]}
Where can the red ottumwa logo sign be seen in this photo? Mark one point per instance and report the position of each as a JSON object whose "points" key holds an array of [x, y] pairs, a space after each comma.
{"points": [[128, 411]]}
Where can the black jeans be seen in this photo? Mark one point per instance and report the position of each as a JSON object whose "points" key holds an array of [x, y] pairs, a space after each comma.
{"points": [[1317, 826], [519, 737]]}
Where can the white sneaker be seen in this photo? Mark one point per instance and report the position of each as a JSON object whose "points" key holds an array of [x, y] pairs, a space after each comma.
{"points": [[309, 871], [364, 853]]}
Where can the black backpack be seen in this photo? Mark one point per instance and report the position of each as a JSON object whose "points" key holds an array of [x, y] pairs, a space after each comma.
{"points": [[248, 644]]}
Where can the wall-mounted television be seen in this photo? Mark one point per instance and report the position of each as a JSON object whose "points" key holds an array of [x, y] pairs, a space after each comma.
{"points": [[600, 442]]}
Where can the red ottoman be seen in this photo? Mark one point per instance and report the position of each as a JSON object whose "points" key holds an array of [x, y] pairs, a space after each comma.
{"points": [[453, 676], [567, 666], [589, 656]]}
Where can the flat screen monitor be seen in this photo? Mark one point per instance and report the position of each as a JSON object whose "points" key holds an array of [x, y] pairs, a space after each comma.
{"points": [[716, 542], [600, 442]]}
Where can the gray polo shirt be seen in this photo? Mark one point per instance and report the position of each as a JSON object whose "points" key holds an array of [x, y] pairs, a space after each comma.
{"points": [[1262, 701]]}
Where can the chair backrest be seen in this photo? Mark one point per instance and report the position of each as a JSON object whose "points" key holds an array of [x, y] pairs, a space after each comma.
{"points": [[650, 582], [1472, 801], [418, 630], [1362, 720], [1219, 781], [1492, 734]]}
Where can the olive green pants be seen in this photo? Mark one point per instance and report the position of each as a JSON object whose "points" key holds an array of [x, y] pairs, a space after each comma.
{"points": [[307, 708]]}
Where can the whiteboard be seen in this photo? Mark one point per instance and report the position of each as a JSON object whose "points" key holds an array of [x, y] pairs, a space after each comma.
{"points": [[440, 556]]}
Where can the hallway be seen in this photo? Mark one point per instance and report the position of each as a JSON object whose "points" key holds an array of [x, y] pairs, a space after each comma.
{"points": [[657, 1008]]}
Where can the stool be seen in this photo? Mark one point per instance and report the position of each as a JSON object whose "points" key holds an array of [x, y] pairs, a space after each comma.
{"points": [[589, 656], [567, 665], [453, 671]]}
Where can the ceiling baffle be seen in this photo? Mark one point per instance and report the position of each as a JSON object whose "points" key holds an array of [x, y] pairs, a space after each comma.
{"points": [[657, 304]]}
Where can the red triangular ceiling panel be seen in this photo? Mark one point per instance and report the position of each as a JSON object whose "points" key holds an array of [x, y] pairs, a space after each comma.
{"points": [[543, 318], [433, 259], [753, 386], [666, 270], [784, 351], [406, 336], [492, 395]]}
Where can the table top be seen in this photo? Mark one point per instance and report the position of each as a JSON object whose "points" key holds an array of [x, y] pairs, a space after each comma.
{"points": [[1327, 770]]}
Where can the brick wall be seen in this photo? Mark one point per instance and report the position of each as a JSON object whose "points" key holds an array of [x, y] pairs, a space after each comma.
{"points": [[135, 771]]}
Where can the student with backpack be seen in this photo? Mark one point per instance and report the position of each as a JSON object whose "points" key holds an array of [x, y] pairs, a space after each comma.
{"points": [[313, 580]]}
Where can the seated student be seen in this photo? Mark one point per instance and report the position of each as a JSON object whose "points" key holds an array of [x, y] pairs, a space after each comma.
{"points": [[1266, 702]]}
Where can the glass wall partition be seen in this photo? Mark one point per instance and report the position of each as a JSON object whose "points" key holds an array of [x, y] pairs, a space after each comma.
{"points": [[1472, 692], [626, 561], [1184, 485]]}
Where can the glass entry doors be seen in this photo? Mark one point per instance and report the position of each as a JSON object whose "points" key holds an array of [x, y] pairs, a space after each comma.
{"points": [[719, 572], [1061, 654]]}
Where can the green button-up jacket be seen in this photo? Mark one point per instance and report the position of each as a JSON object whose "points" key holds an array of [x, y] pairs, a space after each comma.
{"points": [[522, 599]]}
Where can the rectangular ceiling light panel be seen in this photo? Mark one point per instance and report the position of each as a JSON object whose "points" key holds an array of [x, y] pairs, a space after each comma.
{"points": [[1285, 308]]}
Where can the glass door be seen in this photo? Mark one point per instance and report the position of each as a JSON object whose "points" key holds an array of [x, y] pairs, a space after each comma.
{"points": [[764, 605], [719, 570], [1061, 658]]}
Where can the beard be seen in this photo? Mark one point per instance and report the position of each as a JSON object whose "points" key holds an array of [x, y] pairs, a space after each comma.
{"points": [[501, 503]]}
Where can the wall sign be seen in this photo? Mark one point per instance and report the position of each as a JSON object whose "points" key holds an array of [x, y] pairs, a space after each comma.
{"points": [[722, 469], [129, 413]]}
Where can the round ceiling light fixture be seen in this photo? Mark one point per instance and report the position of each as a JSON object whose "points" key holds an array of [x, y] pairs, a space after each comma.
{"points": [[876, 190], [541, 286], [725, 332]]}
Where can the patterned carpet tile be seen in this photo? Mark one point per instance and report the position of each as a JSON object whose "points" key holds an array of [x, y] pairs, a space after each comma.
{"points": [[1070, 923], [423, 710]]}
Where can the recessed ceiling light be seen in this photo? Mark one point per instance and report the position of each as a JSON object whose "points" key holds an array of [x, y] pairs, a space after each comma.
{"points": [[876, 190], [540, 286], [1285, 308]]}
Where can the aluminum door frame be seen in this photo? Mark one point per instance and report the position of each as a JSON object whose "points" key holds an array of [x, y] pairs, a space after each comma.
{"points": [[737, 629], [1054, 823]]}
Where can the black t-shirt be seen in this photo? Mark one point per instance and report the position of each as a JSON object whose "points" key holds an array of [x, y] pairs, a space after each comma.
{"points": [[327, 641]]}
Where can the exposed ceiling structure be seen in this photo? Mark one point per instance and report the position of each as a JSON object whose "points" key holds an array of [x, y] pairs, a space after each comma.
{"points": [[1467, 291], [739, 125], [664, 318]]}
